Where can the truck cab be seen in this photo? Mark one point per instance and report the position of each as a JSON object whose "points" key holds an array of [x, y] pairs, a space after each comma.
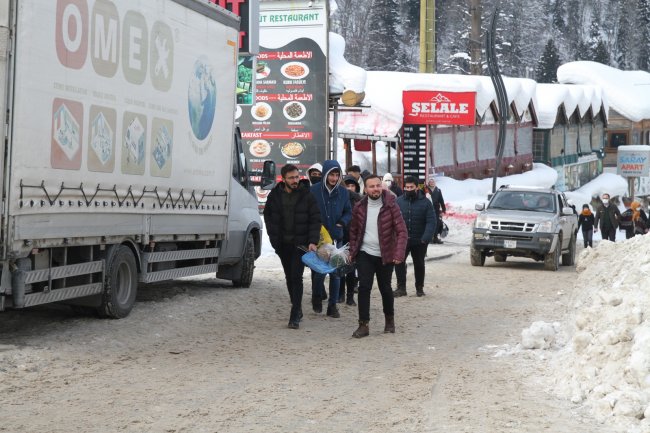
{"points": [[532, 222]]}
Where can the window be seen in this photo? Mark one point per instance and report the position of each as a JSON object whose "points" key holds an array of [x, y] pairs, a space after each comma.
{"points": [[616, 139]]}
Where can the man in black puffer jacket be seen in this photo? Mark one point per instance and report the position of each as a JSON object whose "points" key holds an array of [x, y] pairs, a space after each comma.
{"points": [[420, 221], [292, 219]]}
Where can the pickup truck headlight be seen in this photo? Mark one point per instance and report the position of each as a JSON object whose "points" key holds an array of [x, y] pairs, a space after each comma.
{"points": [[482, 222], [545, 227]]}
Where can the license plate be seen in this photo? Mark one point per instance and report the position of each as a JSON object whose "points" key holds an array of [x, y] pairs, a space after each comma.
{"points": [[510, 244]]}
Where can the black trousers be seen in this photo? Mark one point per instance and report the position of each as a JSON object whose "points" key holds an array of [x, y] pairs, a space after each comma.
{"points": [[417, 252], [608, 233], [291, 258], [369, 267]]}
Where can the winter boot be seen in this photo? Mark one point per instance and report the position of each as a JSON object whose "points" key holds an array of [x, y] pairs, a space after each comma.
{"points": [[419, 291], [294, 318], [400, 291], [389, 327], [317, 304], [350, 299], [333, 311], [362, 330]]}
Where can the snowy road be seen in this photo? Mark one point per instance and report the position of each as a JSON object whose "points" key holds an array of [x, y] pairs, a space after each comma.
{"points": [[193, 357]]}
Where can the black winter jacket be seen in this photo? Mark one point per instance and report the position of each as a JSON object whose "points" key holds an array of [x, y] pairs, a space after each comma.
{"points": [[419, 217], [306, 216], [586, 222], [437, 201]]}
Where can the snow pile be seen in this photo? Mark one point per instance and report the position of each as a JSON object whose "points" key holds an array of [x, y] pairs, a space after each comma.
{"points": [[607, 363], [627, 92], [343, 75], [540, 335]]}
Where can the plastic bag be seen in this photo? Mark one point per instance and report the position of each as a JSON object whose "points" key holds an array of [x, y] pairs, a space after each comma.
{"points": [[445, 231], [324, 237], [329, 260]]}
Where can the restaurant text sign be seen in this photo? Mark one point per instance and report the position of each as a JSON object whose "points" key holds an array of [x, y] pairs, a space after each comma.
{"points": [[439, 108]]}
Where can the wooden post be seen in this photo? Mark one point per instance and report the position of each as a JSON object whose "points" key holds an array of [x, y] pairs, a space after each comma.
{"points": [[374, 156]]}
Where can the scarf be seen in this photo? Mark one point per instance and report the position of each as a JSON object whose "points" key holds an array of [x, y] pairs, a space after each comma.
{"points": [[586, 212]]}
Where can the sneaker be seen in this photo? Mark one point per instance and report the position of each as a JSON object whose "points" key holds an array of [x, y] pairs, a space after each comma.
{"points": [[333, 311]]}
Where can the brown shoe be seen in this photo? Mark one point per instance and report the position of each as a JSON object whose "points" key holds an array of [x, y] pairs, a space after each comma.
{"points": [[390, 324], [362, 331]]}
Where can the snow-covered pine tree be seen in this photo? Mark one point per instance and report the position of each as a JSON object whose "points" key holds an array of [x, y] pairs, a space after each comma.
{"points": [[643, 34], [546, 71], [623, 39], [382, 41]]}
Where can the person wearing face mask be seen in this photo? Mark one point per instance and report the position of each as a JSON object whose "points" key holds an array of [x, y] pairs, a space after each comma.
{"points": [[390, 185], [420, 222], [607, 219], [315, 173]]}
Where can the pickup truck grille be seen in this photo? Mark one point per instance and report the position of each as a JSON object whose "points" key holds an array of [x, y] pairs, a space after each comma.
{"points": [[512, 226], [511, 237]]}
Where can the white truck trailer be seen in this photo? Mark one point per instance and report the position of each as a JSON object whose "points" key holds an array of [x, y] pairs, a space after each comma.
{"points": [[120, 164]]}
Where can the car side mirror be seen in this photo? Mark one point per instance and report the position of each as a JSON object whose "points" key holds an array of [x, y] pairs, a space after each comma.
{"points": [[479, 207], [268, 175], [567, 211]]}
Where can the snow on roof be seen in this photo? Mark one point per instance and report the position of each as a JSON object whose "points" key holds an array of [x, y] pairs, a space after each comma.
{"points": [[383, 113], [627, 92], [343, 75]]}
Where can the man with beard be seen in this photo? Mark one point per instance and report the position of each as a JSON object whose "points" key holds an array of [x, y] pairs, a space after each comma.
{"points": [[421, 225], [377, 243], [292, 220]]}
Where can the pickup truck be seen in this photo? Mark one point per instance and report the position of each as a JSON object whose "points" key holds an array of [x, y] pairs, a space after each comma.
{"points": [[532, 222]]}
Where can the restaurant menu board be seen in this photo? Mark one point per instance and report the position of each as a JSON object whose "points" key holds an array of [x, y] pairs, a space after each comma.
{"points": [[415, 151], [287, 121]]}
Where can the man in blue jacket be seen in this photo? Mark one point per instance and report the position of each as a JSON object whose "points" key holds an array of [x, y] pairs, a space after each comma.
{"points": [[420, 221], [334, 203]]}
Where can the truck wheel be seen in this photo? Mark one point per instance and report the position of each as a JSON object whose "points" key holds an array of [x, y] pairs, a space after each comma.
{"points": [[476, 257], [552, 259], [248, 265], [500, 258], [569, 258], [120, 284]]}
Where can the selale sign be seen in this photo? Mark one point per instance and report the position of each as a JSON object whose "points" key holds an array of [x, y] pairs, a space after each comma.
{"points": [[439, 108]]}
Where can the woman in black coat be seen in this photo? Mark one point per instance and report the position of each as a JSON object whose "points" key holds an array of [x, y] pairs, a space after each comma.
{"points": [[586, 222]]}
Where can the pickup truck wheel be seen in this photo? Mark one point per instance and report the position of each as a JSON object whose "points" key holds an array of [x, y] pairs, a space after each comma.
{"points": [[248, 265], [552, 259], [120, 284], [569, 258], [476, 257], [500, 258]]}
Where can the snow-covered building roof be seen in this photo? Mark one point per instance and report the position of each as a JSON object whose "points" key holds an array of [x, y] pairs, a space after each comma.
{"points": [[383, 113], [627, 92], [551, 97], [384, 91]]}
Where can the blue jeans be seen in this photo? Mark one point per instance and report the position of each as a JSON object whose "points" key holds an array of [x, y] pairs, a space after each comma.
{"points": [[318, 285]]}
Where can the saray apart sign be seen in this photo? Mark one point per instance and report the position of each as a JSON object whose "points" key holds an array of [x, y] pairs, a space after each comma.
{"points": [[439, 108]]}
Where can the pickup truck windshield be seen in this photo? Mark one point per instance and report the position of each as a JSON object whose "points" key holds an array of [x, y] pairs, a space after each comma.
{"points": [[524, 201]]}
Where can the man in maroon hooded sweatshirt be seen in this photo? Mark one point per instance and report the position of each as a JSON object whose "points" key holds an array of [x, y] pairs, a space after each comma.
{"points": [[377, 243]]}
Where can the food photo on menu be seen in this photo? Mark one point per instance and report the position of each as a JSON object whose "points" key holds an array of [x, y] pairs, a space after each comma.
{"points": [[295, 70], [261, 111], [294, 110]]}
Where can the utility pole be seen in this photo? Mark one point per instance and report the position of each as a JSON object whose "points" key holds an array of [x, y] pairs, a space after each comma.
{"points": [[427, 36], [475, 38]]}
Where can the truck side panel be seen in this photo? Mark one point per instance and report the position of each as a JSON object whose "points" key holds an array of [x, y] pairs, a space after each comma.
{"points": [[122, 119]]}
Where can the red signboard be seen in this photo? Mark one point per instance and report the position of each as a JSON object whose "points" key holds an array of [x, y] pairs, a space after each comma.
{"points": [[439, 108]]}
